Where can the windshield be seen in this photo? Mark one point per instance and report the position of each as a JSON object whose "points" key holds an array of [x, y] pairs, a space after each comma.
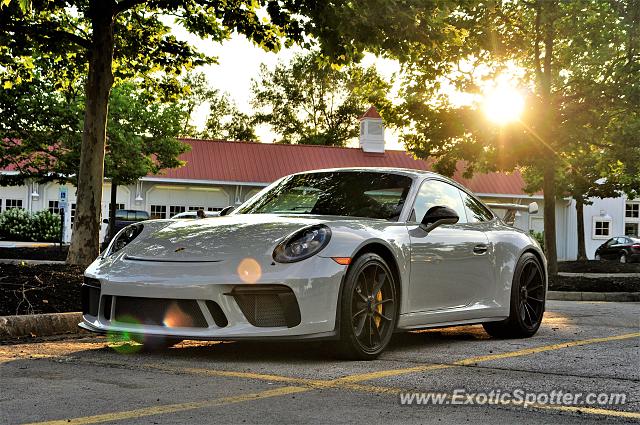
{"points": [[347, 193]]}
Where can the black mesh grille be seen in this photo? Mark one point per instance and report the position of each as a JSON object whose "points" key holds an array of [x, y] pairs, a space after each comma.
{"points": [[262, 310], [90, 297], [217, 314], [268, 306], [159, 312], [106, 306]]}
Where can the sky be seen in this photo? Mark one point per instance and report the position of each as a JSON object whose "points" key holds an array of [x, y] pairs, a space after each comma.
{"points": [[239, 61]]}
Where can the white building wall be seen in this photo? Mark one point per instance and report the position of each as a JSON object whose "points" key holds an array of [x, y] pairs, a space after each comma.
{"points": [[146, 194]]}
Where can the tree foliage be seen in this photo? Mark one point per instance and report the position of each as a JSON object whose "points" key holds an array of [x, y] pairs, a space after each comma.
{"points": [[226, 121], [578, 63], [310, 102], [142, 135], [114, 40]]}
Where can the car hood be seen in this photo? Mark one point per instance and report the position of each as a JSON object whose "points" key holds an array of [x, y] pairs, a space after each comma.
{"points": [[213, 239]]}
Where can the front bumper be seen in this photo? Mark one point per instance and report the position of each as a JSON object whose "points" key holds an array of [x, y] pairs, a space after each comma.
{"points": [[213, 301]]}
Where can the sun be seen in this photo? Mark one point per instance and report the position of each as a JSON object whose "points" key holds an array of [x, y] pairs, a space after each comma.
{"points": [[503, 103]]}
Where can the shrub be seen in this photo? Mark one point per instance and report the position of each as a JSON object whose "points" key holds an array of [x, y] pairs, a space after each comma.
{"points": [[21, 225], [538, 236], [44, 227]]}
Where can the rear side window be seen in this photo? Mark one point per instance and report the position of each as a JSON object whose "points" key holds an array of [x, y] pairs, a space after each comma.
{"points": [[142, 215], [476, 211], [438, 193]]}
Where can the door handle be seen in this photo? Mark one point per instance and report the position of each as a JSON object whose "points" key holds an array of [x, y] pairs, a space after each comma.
{"points": [[480, 249]]}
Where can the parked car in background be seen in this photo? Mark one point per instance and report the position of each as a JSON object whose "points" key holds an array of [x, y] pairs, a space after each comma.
{"points": [[123, 219], [194, 214], [625, 249]]}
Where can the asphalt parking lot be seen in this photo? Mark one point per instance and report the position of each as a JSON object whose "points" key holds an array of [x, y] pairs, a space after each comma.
{"points": [[582, 347]]}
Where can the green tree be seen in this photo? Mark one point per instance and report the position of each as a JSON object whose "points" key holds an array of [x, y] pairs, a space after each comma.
{"points": [[41, 128], [578, 62], [38, 123], [309, 101], [112, 40], [141, 138], [226, 121]]}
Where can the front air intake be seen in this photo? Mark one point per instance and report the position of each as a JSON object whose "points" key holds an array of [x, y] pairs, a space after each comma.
{"points": [[159, 312], [268, 306]]}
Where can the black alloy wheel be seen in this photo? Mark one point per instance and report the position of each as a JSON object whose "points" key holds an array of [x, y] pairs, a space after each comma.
{"points": [[369, 308], [528, 294]]}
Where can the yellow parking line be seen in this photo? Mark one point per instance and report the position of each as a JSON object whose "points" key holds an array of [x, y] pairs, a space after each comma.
{"points": [[473, 360], [542, 349], [233, 374], [174, 408], [350, 382], [591, 411]]}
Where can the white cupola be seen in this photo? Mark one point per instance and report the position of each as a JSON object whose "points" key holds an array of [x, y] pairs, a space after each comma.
{"points": [[372, 131]]}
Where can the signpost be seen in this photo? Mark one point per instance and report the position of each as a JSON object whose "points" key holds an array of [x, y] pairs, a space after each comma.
{"points": [[63, 197]]}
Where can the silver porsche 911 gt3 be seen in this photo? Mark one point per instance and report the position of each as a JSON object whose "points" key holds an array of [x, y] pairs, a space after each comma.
{"points": [[345, 254]]}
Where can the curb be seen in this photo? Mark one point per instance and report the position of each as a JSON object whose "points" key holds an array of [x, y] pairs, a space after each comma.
{"points": [[39, 324], [593, 296], [599, 275], [18, 261]]}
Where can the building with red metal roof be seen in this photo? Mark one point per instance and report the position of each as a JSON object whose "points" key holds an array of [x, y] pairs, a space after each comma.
{"points": [[257, 164]]}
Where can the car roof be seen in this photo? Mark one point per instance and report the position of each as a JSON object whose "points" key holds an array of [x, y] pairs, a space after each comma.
{"points": [[389, 170]]}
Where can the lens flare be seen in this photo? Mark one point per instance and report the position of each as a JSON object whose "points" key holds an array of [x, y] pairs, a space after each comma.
{"points": [[123, 342], [249, 270], [176, 318]]}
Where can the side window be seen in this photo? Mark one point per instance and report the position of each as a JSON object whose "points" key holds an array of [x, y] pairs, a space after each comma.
{"points": [[611, 242], [436, 192], [476, 212]]}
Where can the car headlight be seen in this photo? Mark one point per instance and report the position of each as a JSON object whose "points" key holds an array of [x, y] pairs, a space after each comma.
{"points": [[124, 238], [303, 244]]}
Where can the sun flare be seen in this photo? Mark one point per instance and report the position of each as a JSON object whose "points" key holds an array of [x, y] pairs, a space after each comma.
{"points": [[503, 104]]}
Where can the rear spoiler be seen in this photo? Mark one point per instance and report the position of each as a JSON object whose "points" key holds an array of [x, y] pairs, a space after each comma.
{"points": [[510, 214], [532, 208]]}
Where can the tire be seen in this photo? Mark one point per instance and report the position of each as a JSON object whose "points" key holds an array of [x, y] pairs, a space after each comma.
{"points": [[623, 257], [368, 310], [155, 343], [528, 292]]}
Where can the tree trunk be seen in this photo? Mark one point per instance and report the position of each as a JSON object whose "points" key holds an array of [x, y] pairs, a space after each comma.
{"points": [[112, 211], [549, 189], [85, 240], [545, 32], [582, 250]]}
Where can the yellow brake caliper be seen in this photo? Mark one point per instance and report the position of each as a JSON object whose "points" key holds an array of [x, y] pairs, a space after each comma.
{"points": [[377, 319]]}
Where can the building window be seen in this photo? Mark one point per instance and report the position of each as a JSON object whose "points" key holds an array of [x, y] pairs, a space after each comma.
{"points": [[13, 203], [73, 212], [601, 228], [0, 205], [54, 207], [195, 208], [118, 207], [632, 210], [214, 209], [375, 128], [158, 211], [631, 229], [176, 209]]}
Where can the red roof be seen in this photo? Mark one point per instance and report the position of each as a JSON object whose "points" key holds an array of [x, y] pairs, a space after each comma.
{"points": [[250, 162], [372, 112]]}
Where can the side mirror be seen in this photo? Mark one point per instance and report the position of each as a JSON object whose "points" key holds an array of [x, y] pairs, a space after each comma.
{"points": [[437, 216], [227, 210], [105, 221], [533, 208]]}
